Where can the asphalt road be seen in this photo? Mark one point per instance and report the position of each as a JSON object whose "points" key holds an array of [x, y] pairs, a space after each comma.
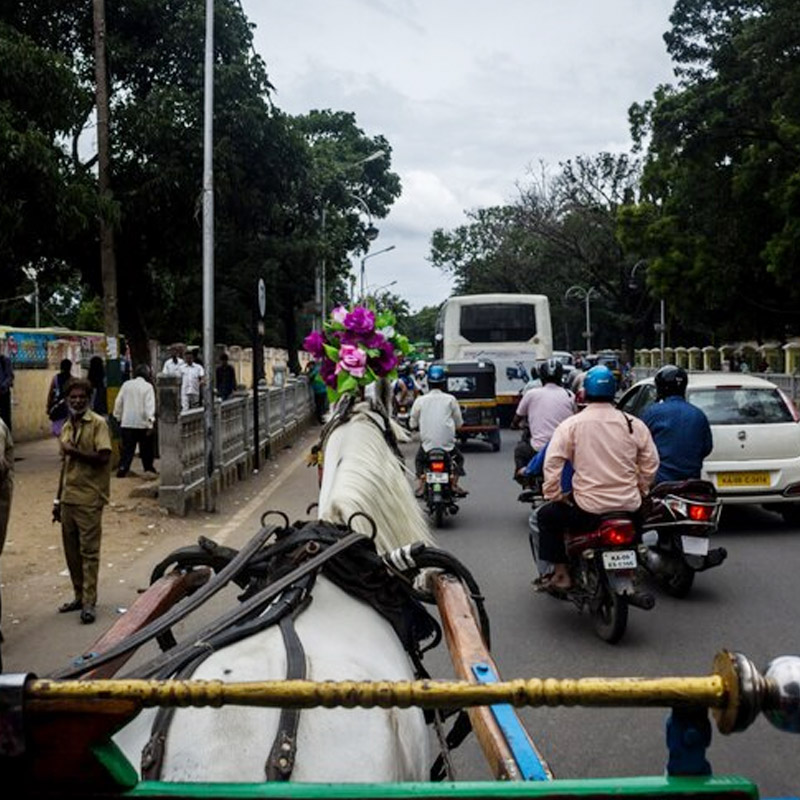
{"points": [[749, 605]]}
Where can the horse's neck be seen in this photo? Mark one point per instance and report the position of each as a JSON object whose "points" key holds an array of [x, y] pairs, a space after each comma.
{"points": [[362, 474]]}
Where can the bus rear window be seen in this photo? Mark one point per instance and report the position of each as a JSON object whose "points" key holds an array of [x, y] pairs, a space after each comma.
{"points": [[498, 322]]}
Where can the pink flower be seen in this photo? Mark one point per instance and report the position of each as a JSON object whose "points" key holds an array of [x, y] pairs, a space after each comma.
{"points": [[339, 314], [360, 320], [313, 344], [352, 359]]}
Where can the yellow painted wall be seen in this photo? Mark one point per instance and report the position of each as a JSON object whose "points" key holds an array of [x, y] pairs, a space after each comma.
{"points": [[28, 401]]}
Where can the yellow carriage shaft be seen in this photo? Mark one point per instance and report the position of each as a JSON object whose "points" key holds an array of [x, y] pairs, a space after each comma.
{"points": [[708, 691], [735, 691]]}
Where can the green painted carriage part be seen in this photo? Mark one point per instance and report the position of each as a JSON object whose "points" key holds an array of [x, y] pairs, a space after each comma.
{"points": [[657, 788]]}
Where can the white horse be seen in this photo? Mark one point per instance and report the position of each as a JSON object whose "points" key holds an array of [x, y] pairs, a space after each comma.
{"points": [[343, 638]]}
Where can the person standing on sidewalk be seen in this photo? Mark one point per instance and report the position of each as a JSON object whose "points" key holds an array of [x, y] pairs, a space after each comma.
{"points": [[135, 409], [193, 376], [83, 490], [6, 491]]}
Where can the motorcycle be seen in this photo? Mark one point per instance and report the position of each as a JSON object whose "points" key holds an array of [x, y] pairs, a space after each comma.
{"points": [[438, 495], [603, 566], [403, 414], [681, 518]]}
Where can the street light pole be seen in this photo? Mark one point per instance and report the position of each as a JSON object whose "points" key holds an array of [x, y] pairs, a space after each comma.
{"points": [[586, 295], [363, 260], [661, 325]]}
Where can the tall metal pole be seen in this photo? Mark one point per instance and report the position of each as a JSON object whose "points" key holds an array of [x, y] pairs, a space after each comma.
{"points": [[662, 329], [108, 265], [323, 287], [208, 256], [588, 323]]}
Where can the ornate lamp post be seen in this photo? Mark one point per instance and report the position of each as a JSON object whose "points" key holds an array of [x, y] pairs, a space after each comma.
{"points": [[586, 295], [660, 327]]}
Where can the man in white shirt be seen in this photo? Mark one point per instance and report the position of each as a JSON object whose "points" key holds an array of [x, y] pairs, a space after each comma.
{"points": [[437, 415], [135, 408], [193, 376], [174, 364]]}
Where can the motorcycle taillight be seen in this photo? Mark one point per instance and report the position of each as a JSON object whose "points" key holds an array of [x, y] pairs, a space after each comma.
{"points": [[437, 466], [616, 532], [700, 513]]}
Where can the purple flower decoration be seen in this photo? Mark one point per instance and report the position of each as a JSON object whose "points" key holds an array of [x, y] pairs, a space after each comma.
{"points": [[327, 372], [313, 344], [353, 359], [386, 361], [360, 320]]}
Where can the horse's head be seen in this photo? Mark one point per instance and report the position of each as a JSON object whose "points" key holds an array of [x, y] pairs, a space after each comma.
{"points": [[363, 473]]}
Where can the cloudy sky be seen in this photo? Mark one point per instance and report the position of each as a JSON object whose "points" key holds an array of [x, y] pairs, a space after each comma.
{"points": [[470, 94]]}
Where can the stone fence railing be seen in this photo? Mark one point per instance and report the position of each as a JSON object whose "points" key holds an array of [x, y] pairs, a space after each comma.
{"points": [[181, 437]]}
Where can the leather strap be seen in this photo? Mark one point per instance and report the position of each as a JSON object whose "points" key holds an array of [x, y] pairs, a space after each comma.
{"points": [[281, 760]]}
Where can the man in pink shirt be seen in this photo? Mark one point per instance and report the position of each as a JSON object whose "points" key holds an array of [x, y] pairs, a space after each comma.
{"points": [[615, 462], [544, 407]]}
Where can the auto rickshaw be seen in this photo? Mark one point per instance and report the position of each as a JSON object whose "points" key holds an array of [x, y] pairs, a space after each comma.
{"points": [[472, 383]]}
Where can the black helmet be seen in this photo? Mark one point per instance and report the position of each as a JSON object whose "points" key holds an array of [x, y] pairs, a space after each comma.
{"points": [[551, 371], [671, 380]]}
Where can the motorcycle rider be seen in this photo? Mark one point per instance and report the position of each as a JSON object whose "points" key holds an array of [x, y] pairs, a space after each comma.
{"points": [[405, 388], [437, 415], [543, 408], [615, 460], [679, 429]]}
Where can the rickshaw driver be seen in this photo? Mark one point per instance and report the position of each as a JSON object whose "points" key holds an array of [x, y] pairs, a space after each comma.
{"points": [[437, 415], [544, 409]]}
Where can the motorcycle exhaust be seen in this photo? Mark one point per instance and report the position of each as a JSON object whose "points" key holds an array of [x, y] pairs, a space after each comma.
{"points": [[643, 600]]}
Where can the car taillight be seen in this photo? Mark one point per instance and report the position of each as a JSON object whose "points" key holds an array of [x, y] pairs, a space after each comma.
{"points": [[700, 513], [616, 532], [437, 466]]}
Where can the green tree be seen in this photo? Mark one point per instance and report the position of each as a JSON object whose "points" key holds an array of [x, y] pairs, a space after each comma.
{"points": [[723, 168]]}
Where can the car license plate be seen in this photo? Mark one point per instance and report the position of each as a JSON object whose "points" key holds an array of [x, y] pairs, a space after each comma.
{"points": [[695, 545], [742, 479], [437, 477], [619, 559]]}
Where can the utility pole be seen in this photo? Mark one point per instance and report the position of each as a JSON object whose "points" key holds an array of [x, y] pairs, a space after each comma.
{"points": [[108, 265]]}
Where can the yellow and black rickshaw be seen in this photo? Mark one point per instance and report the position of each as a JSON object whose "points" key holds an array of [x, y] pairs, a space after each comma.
{"points": [[472, 383]]}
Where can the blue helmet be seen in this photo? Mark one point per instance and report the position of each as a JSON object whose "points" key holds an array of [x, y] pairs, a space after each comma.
{"points": [[599, 384], [436, 373]]}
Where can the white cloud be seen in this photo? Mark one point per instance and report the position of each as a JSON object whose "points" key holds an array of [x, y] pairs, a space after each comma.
{"points": [[469, 94]]}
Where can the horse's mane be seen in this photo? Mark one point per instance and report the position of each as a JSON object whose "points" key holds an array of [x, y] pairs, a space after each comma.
{"points": [[361, 473]]}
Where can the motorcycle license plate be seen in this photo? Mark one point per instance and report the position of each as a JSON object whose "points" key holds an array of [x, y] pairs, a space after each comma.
{"points": [[695, 545], [619, 559], [437, 477]]}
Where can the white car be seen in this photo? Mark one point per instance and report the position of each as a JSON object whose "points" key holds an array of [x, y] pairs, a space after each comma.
{"points": [[756, 455]]}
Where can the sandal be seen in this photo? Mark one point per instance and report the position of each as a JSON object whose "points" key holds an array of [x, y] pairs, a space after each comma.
{"points": [[459, 492], [73, 605], [88, 615], [419, 494]]}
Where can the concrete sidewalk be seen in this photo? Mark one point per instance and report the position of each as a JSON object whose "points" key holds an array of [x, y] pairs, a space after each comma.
{"points": [[136, 536]]}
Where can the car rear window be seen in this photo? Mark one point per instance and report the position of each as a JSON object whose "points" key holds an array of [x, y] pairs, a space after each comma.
{"points": [[741, 406]]}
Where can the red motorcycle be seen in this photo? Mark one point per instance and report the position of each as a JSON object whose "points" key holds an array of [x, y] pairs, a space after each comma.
{"points": [[603, 566]]}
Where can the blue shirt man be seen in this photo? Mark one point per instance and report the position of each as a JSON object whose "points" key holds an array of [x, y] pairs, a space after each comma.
{"points": [[682, 436]]}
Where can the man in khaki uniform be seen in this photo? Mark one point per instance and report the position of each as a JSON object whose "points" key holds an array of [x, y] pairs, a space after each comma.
{"points": [[83, 491]]}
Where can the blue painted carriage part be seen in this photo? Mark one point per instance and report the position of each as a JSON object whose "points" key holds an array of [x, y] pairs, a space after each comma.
{"points": [[530, 766]]}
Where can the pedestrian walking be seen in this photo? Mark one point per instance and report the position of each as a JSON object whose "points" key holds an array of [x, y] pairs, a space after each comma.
{"points": [[193, 375], [135, 410], [83, 491], [6, 382], [225, 378], [57, 410], [6, 491]]}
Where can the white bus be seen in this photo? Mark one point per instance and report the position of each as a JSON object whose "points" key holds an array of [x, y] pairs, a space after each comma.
{"points": [[511, 330]]}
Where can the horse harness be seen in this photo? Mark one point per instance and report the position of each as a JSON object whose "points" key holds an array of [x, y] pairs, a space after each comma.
{"points": [[278, 582]]}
